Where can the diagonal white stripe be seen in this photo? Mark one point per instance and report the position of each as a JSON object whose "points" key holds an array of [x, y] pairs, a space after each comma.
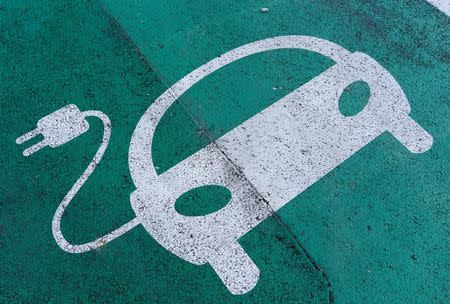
{"points": [[442, 5]]}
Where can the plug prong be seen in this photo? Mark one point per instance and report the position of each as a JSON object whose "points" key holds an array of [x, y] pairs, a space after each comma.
{"points": [[27, 136], [34, 148]]}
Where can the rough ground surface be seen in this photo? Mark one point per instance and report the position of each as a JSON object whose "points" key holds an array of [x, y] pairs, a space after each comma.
{"points": [[374, 230]]}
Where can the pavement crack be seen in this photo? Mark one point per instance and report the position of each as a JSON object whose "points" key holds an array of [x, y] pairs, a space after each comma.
{"points": [[115, 23]]}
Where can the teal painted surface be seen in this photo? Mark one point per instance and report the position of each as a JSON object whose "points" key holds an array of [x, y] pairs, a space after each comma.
{"points": [[56, 53], [378, 225]]}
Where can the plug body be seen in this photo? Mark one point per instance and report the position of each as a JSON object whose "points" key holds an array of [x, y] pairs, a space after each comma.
{"points": [[57, 128]]}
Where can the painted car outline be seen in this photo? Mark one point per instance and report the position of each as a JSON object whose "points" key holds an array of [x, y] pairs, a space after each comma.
{"points": [[213, 238]]}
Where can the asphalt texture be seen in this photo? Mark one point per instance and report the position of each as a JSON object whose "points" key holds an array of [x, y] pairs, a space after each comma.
{"points": [[374, 230]]}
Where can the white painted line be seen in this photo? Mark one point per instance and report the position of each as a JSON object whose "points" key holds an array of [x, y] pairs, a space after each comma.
{"points": [[442, 5]]}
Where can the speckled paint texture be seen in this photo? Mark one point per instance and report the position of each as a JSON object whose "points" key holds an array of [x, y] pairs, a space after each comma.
{"points": [[374, 230]]}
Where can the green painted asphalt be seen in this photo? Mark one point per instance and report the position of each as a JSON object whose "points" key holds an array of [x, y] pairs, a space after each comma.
{"points": [[378, 225]]}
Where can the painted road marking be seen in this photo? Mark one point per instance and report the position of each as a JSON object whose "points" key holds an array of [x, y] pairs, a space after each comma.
{"points": [[442, 5], [265, 161], [57, 129]]}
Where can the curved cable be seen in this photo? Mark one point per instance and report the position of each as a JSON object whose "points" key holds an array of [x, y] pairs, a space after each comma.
{"points": [[56, 223]]}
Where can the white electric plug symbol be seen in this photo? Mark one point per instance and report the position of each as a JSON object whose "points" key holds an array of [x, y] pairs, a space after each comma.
{"points": [[57, 128], [265, 162]]}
